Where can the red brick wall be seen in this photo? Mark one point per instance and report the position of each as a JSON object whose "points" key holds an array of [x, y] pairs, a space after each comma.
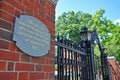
{"points": [[115, 69], [14, 64]]}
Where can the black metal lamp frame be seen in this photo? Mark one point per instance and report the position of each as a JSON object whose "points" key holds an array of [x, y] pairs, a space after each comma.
{"points": [[87, 46]]}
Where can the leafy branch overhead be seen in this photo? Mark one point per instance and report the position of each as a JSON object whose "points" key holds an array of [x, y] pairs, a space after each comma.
{"points": [[69, 24]]}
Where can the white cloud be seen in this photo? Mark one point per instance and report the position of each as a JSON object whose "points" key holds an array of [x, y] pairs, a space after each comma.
{"points": [[117, 21]]}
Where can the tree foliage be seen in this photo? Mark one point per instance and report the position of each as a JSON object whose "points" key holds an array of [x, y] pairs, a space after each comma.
{"points": [[69, 24]]}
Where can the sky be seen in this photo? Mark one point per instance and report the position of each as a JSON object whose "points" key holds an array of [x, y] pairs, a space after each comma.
{"points": [[111, 7]]}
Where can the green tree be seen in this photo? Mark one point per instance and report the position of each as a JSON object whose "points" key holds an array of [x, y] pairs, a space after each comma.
{"points": [[69, 24]]}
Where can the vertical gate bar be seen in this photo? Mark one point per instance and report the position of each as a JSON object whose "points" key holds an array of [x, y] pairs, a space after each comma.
{"points": [[88, 62], [93, 61], [75, 65], [83, 60], [69, 60], [62, 60], [65, 63], [71, 45], [76, 70], [85, 68], [79, 67], [74, 61], [60, 65], [88, 51], [82, 68], [58, 60]]}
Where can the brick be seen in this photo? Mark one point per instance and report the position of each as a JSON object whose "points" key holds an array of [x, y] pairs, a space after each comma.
{"points": [[52, 16], [42, 2], [2, 65], [51, 76], [7, 7], [5, 35], [12, 47], [23, 76], [30, 5], [50, 61], [39, 60], [48, 2], [52, 37], [18, 50], [24, 67], [7, 16], [25, 58], [42, 13], [50, 19], [4, 44], [8, 76], [52, 9], [52, 49], [47, 61], [16, 4], [36, 76], [50, 55], [47, 76], [51, 28], [5, 55], [5, 25], [20, 1], [39, 67], [52, 6], [32, 1], [48, 10], [112, 62], [10, 66], [29, 11], [52, 44], [1, 0], [39, 17], [37, 3], [17, 12], [48, 68]]}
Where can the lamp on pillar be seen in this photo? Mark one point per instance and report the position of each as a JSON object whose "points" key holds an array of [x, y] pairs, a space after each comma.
{"points": [[86, 35], [87, 46]]}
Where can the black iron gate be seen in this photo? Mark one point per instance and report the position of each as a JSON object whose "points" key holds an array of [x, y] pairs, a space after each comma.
{"points": [[77, 61], [69, 62]]}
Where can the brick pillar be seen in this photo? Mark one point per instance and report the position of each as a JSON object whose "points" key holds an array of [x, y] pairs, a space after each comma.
{"points": [[115, 68], [15, 64]]}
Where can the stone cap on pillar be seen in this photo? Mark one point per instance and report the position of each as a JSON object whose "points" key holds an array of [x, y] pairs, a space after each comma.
{"points": [[111, 58]]}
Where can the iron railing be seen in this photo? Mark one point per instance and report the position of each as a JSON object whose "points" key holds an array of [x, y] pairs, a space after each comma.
{"points": [[69, 60], [77, 61]]}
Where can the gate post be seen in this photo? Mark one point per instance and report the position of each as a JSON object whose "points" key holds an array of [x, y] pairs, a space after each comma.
{"points": [[84, 61], [89, 68], [105, 65]]}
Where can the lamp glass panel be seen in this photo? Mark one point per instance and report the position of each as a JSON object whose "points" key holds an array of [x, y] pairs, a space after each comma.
{"points": [[84, 36], [89, 34]]}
